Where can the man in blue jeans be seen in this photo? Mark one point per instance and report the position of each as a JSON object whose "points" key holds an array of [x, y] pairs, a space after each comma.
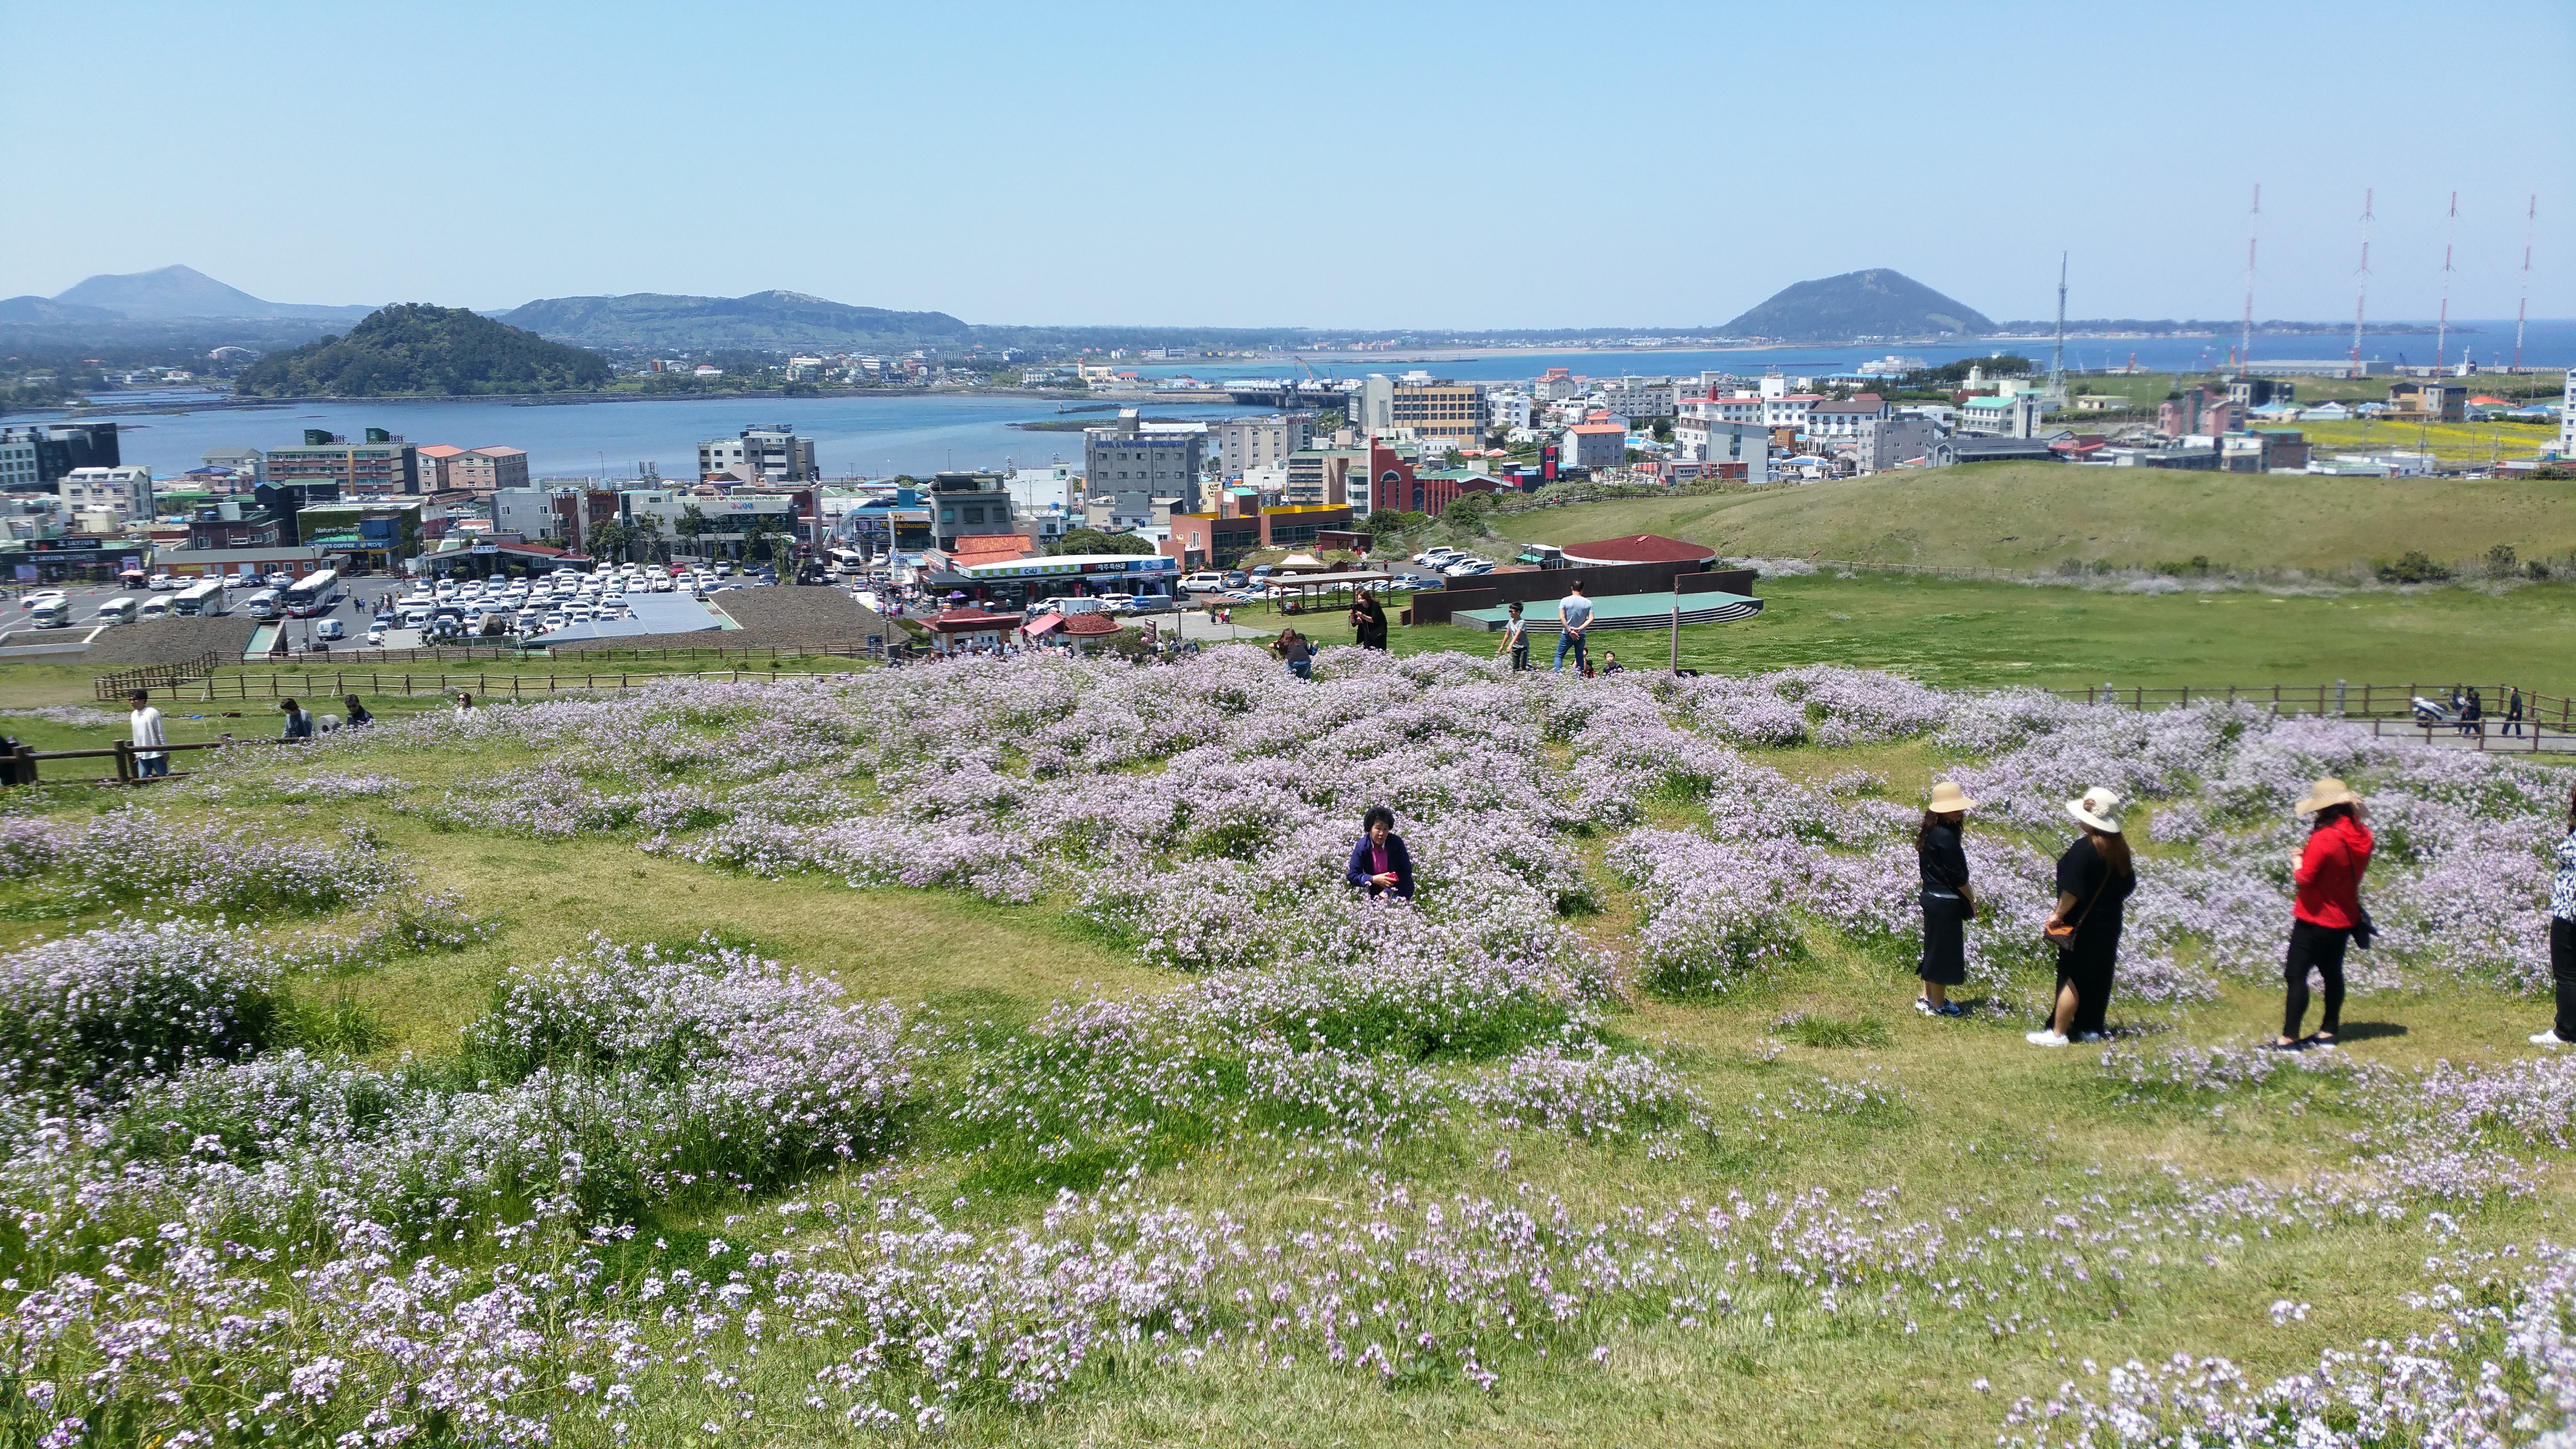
{"points": [[1573, 617]]}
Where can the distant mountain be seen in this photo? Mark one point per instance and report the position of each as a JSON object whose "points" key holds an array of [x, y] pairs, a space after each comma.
{"points": [[420, 350], [33, 308], [186, 292], [761, 320], [1875, 303]]}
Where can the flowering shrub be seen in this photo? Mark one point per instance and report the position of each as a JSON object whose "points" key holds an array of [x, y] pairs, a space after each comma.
{"points": [[127, 1002], [136, 854]]}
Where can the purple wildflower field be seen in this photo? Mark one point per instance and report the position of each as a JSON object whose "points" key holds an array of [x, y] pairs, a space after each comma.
{"points": [[1497, 1146]]}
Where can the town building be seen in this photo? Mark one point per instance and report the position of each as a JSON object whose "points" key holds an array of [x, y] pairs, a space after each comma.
{"points": [[1421, 407], [1637, 397], [2005, 415], [1748, 445], [1129, 464], [2429, 401], [2567, 418], [445, 468], [125, 490], [1839, 422], [1558, 383], [1594, 445], [1888, 442], [1246, 444], [382, 463], [2199, 412], [762, 453], [248, 464], [55, 449], [1508, 409], [1321, 476], [2264, 451], [969, 505]]}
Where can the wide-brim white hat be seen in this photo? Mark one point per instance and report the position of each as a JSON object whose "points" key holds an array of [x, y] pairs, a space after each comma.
{"points": [[2099, 809]]}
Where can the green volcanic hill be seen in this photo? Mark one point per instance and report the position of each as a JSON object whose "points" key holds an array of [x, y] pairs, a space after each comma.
{"points": [[1877, 303], [424, 350]]}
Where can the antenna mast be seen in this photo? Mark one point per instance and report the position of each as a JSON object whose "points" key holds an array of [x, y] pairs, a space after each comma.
{"points": [[2057, 359], [2530, 224], [2245, 352], [2361, 296], [2442, 329]]}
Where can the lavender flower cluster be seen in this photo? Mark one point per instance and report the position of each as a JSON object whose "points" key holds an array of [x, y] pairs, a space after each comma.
{"points": [[139, 855]]}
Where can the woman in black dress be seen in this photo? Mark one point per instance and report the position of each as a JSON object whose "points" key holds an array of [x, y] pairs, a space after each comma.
{"points": [[2093, 877], [1948, 902]]}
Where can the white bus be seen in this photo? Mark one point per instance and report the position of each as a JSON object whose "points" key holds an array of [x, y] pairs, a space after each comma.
{"points": [[311, 595], [203, 598], [51, 614], [262, 604], [119, 610], [155, 607]]}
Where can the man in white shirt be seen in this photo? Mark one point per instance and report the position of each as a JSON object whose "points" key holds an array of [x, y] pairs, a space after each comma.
{"points": [[147, 732], [1574, 616]]}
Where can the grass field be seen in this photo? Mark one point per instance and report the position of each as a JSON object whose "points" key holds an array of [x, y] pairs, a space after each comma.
{"points": [[2033, 516], [1836, 1110]]}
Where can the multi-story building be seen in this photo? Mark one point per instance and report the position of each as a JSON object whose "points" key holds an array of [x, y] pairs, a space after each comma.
{"points": [[2200, 412], [1594, 445], [1244, 444], [1704, 440], [56, 449], [382, 464], [445, 468], [969, 505], [1558, 383], [1428, 409], [1507, 409], [248, 463], [2567, 418], [1885, 442], [1321, 476], [17, 463], [1130, 463], [763, 453], [126, 490], [2016, 415], [1638, 397], [1839, 422]]}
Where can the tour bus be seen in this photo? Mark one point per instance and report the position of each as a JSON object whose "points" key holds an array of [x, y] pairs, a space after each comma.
{"points": [[311, 595], [262, 604], [51, 614], [155, 607], [119, 610], [201, 599]]}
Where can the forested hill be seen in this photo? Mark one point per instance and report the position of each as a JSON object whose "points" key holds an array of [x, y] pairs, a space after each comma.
{"points": [[417, 348]]}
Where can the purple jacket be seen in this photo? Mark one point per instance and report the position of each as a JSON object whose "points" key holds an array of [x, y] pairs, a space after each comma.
{"points": [[1398, 859]]}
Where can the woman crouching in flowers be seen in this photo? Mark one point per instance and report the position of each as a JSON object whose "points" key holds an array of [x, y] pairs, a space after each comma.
{"points": [[2328, 912], [1948, 902], [2562, 934], [1380, 862], [2093, 877]]}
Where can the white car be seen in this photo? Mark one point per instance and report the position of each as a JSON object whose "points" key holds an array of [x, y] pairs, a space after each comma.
{"points": [[660, 586], [330, 629], [45, 596], [375, 638], [556, 621], [1203, 583], [160, 583]]}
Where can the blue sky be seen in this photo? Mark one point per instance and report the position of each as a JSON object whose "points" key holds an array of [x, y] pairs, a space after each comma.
{"points": [[1365, 165]]}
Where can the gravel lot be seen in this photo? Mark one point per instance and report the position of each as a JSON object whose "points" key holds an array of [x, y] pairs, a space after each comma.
{"points": [[168, 641], [785, 615]]}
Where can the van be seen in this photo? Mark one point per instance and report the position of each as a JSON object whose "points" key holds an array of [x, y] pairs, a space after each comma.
{"points": [[153, 609], [1207, 582], [52, 614], [119, 610]]}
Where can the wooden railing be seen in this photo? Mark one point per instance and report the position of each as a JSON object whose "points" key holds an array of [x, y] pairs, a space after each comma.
{"points": [[324, 686], [158, 676], [2547, 722]]}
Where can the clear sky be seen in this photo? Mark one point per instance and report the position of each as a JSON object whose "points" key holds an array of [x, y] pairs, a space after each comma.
{"points": [[1379, 164]]}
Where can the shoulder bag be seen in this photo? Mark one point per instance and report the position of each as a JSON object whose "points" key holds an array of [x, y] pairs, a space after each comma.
{"points": [[2062, 936]]}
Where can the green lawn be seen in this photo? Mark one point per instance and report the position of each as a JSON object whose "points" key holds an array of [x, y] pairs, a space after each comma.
{"points": [[2032, 516]]}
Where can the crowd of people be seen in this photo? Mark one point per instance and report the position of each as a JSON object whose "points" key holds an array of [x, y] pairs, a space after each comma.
{"points": [[2096, 875]]}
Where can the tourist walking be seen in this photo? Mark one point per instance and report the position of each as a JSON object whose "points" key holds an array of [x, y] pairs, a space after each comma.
{"points": [[1292, 647], [1368, 620], [149, 759], [1380, 863], [1573, 616], [1515, 640], [2562, 934], [2513, 713], [2093, 877], [2473, 719], [2328, 915], [1948, 902], [357, 714], [299, 722]]}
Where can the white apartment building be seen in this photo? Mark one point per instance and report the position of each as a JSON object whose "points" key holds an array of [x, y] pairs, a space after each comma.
{"points": [[1700, 440], [126, 490], [17, 464], [1057, 485], [1246, 444], [1840, 422], [762, 454], [1508, 409], [1638, 397], [2567, 419]]}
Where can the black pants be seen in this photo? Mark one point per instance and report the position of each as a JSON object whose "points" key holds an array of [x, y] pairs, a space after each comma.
{"points": [[2089, 969], [2321, 947], [1945, 941], [1520, 657], [2562, 971]]}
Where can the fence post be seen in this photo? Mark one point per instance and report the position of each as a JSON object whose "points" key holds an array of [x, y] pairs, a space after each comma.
{"points": [[125, 762], [2339, 692]]}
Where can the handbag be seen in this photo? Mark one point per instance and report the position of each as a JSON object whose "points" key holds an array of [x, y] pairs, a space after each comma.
{"points": [[2363, 930], [2062, 936]]}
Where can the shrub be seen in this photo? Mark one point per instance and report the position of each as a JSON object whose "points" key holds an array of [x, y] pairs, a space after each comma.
{"points": [[2413, 567], [108, 1008]]}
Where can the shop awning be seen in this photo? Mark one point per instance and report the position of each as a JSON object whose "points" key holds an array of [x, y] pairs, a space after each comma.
{"points": [[1041, 624]]}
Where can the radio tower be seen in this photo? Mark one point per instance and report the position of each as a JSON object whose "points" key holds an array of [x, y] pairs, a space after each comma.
{"points": [[2442, 328], [2530, 223], [2361, 296], [2057, 359], [2245, 352]]}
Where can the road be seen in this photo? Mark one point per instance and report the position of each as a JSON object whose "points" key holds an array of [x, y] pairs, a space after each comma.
{"points": [[353, 611]]}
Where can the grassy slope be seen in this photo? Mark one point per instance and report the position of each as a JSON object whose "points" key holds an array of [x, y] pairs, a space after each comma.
{"points": [[1987, 1119], [2030, 516]]}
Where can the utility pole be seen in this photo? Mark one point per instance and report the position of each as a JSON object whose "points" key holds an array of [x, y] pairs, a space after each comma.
{"points": [[2442, 329], [2530, 224], [2361, 296], [2245, 352]]}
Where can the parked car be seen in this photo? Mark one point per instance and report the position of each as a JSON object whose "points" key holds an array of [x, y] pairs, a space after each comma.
{"points": [[1237, 579], [1206, 582], [330, 629], [162, 582]]}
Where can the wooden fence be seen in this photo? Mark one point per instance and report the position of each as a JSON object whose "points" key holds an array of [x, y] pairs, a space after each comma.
{"points": [[157, 676], [2548, 721], [326, 686]]}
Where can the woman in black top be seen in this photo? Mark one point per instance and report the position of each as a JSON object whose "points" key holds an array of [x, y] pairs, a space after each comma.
{"points": [[1368, 621], [2093, 877], [1948, 903]]}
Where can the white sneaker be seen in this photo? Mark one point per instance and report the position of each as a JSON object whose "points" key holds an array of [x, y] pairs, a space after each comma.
{"points": [[2044, 1038], [1923, 1004], [2548, 1038]]}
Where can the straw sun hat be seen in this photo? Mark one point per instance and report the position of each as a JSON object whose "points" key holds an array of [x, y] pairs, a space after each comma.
{"points": [[1947, 797], [2099, 810], [2327, 792]]}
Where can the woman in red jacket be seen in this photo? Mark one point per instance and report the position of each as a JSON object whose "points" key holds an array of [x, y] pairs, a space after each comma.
{"points": [[2329, 907]]}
